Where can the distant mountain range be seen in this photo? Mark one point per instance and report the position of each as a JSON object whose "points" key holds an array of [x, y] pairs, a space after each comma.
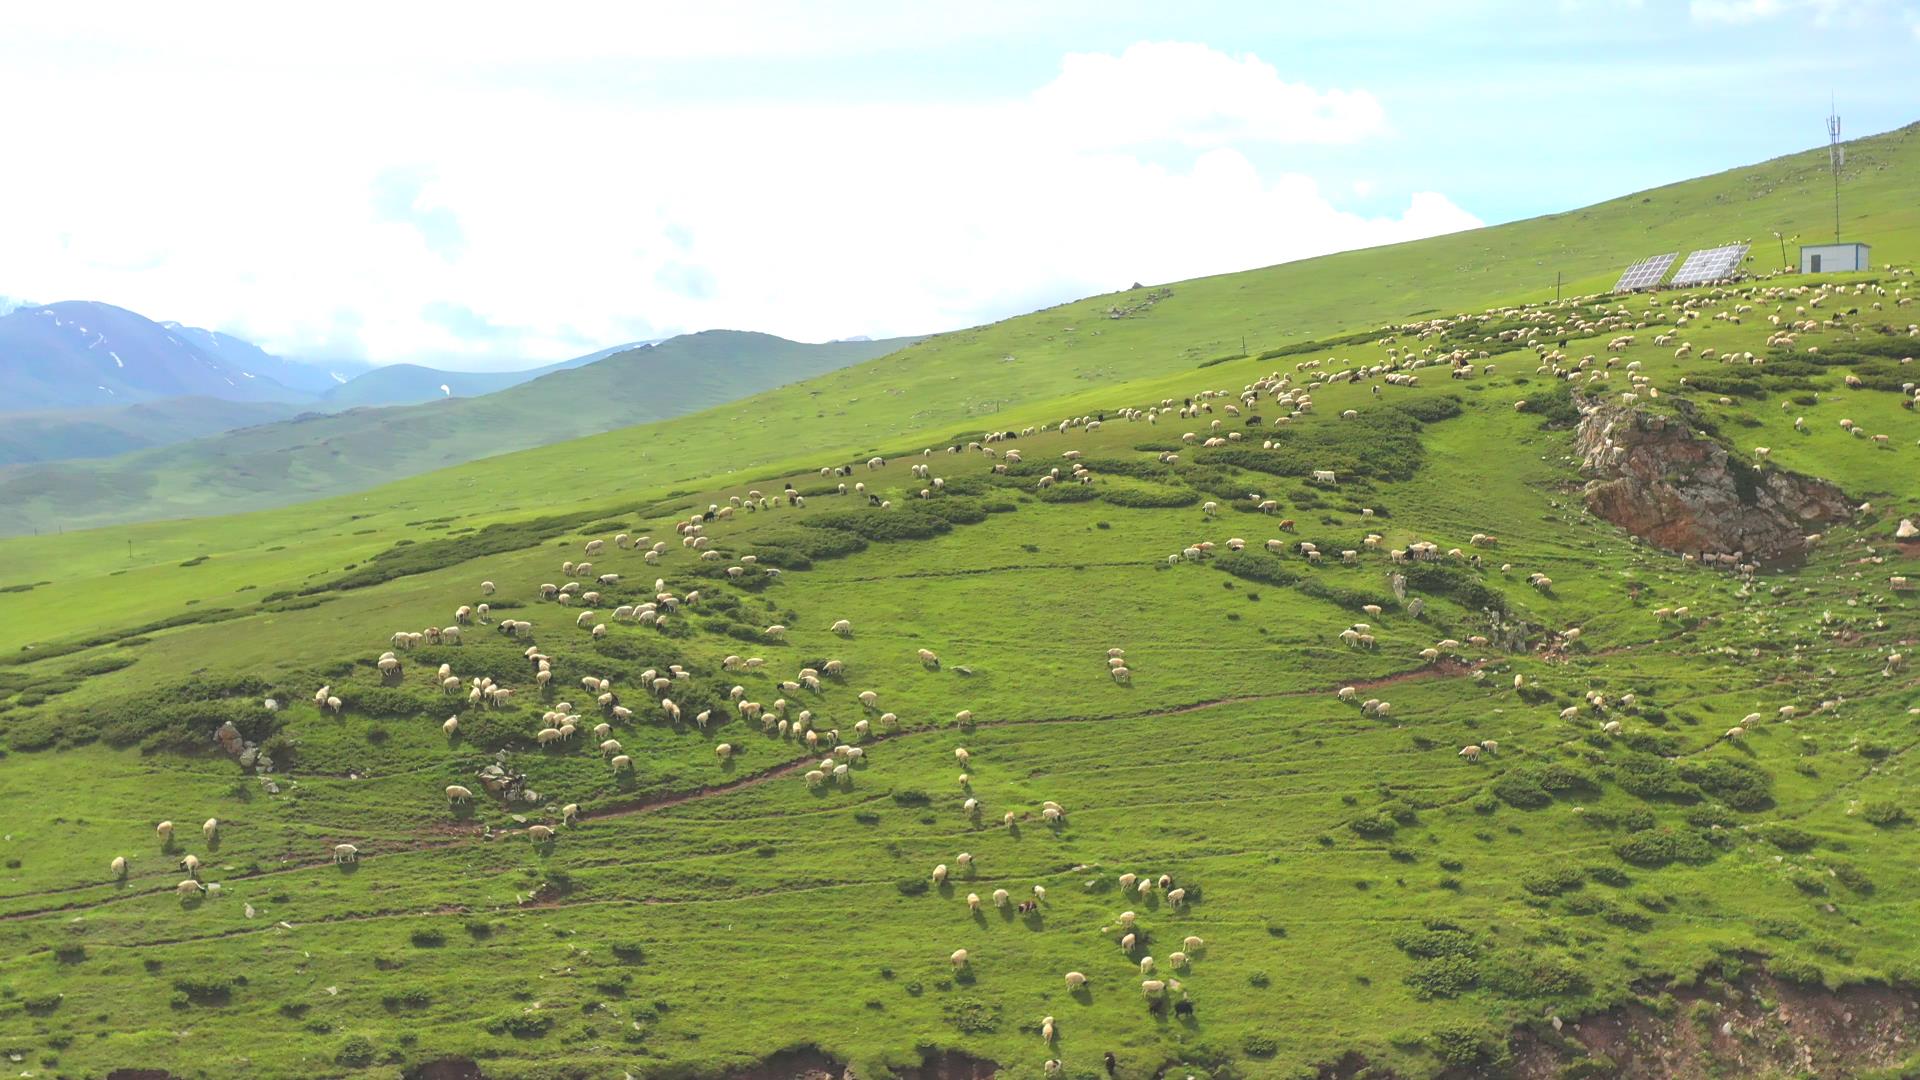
{"points": [[82, 379], [316, 453], [409, 384], [83, 354]]}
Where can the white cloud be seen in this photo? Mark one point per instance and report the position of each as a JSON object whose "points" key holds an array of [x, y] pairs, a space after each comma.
{"points": [[412, 211], [1735, 11], [1820, 12], [1191, 94]]}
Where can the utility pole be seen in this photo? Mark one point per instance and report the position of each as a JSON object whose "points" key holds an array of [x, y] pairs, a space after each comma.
{"points": [[1837, 159], [1556, 286]]}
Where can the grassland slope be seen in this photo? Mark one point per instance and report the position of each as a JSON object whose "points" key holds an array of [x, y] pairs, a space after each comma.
{"points": [[1688, 785]]}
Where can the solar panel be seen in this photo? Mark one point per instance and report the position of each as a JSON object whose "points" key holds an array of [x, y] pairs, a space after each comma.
{"points": [[1710, 264], [1646, 273]]}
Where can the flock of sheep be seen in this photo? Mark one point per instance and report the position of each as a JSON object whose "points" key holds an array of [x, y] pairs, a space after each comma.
{"points": [[788, 719]]}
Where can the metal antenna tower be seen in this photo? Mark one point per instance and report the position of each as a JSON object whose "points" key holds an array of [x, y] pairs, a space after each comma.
{"points": [[1836, 160]]}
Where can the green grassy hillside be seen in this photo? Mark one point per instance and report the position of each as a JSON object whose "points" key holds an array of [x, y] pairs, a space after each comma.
{"points": [[278, 464], [1366, 898], [56, 434]]}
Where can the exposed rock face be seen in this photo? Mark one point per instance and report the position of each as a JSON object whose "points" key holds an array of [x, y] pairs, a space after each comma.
{"points": [[1659, 479]]}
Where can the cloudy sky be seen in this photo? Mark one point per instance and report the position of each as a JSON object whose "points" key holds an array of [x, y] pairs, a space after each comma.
{"points": [[492, 185]]}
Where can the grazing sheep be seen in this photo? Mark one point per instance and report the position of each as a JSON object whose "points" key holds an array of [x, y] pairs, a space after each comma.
{"points": [[187, 888], [960, 754], [973, 902], [345, 853], [164, 831], [940, 874], [843, 627], [1176, 897], [570, 813], [1146, 965], [458, 794], [1470, 752], [486, 587], [959, 958], [725, 751], [191, 864], [1000, 898], [210, 829], [621, 763], [452, 726], [540, 834], [1193, 944], [1152, 987], [118, 866], [1075, 980]]}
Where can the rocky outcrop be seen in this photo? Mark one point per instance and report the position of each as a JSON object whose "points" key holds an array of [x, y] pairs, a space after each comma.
{"points": [[1660, 479]]}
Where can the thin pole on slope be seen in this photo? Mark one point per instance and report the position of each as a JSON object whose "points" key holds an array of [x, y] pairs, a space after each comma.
{"points": [[1556, 285], [1836, 157]]}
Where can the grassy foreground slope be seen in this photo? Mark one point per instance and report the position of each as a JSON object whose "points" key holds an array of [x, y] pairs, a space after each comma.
{"points": [[1358, 887], [279, 463]]}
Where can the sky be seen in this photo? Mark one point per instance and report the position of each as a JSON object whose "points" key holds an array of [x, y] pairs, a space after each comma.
{"points": [[495, 186]]}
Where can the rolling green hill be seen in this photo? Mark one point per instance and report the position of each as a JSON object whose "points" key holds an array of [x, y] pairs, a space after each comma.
{"points": [[56, 434], [317, 454], [411, 384], [1649, 868]]}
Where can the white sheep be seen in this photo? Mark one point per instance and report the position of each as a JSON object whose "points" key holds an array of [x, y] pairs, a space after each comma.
{"points": [[345, 853]]}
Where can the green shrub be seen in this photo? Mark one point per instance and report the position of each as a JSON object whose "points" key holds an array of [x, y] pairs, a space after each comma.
{"points": [[972, 1015], [880, 526], [1435, 941], [1552, 882], [1741, 785], [1883, 812], [1468, 1048], [1525, 974], [205, 989], [1260, 1045], [1530, 787], [1262, 567], [1658, 847], [1143, 498], [1444, 977], [525, 1025], [1554, 407], [1788, 837]]}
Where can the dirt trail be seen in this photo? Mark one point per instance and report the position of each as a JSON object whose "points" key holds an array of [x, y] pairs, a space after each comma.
{"points": [[654, 803]]}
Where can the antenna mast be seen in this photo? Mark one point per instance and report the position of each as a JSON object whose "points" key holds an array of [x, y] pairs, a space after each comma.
{"points": [[1836, 159]]}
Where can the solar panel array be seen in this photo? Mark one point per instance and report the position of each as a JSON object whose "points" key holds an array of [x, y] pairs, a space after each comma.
{"points": [[1710, 264], [1646, 273]]}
